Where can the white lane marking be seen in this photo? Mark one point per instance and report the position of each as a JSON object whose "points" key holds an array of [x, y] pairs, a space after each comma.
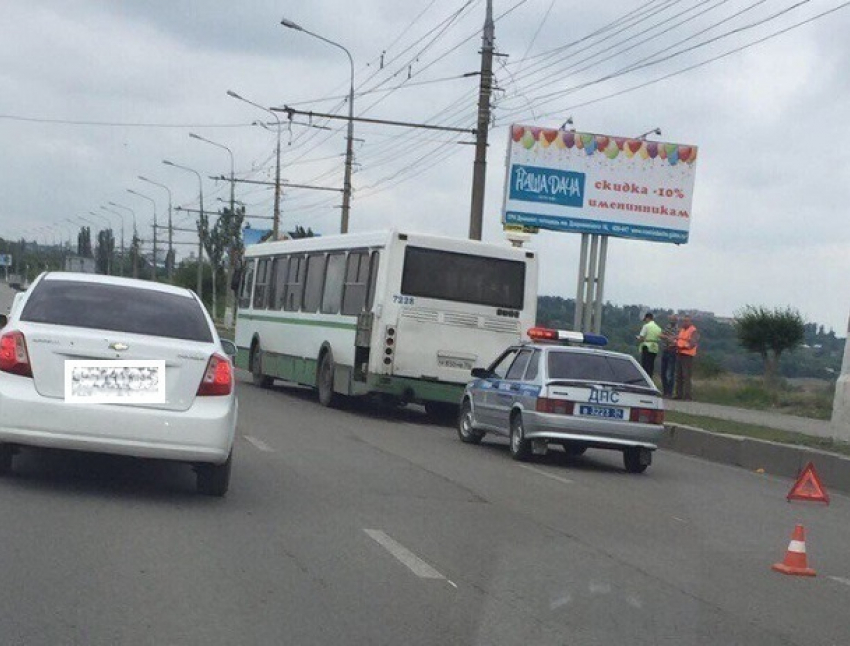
{"points": [[412, 562], [259, 444], [681, 520], [840, 579], [546, 474]]}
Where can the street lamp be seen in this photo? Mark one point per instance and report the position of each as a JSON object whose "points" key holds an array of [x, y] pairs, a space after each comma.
{"points": [[276, 221], [654, 131], [153, 203], [135, 237], [170, 260], [349, 149], [120, 217], [201, 219]]}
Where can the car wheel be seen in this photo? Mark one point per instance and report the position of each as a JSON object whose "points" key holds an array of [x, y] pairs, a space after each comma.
{"points": [[574, 450], [465, 429], [214, 479], [636, 460], [259, 379], [325, 380], [520, 447], [6, 455]]}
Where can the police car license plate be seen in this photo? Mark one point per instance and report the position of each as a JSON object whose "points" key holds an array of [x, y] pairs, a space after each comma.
{"points": [[601, 411]]}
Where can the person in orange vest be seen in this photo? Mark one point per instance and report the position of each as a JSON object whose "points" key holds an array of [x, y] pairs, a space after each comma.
{"points": [[686, 349]]}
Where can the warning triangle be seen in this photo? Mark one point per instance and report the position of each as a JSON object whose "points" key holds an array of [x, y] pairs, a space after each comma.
{"points": [[808, 487]]}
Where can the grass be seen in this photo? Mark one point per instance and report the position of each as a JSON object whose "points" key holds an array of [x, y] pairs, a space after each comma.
{"points": [[804, 398], [757, 432]]}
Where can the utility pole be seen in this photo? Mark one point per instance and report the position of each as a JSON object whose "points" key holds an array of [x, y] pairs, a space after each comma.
{"points": [[479, 170]]}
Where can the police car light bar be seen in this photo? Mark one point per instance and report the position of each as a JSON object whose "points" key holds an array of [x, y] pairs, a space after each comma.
{"points": [[547, 334]]}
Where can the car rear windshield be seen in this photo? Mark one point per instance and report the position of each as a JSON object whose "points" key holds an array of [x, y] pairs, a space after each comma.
{"points": [[594, 367], [464, 278], [118, 308]]}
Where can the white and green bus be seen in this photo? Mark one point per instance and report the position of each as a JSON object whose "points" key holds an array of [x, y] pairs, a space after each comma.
{"points": [[403, 315]]}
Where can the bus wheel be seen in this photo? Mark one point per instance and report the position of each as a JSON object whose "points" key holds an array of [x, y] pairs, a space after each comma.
{"points": [[325, 380], [257, 376]]}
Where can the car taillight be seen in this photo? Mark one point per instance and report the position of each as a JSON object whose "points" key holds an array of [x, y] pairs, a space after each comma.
{"points": [[647, 415], [554, 406], [13, 354], [218, 379]]}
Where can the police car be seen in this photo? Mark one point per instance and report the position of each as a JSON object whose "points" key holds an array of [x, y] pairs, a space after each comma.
{"points": [[549, 392]]}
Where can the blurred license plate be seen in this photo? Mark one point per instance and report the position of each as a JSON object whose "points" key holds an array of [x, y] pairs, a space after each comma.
{"points": [[601, 411], [115, 382]]}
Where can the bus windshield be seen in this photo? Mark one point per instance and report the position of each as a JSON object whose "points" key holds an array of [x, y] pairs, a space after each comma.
{"points": [[465, 278]]}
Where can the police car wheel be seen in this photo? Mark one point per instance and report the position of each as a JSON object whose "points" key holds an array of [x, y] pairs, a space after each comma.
{"points": [[520, 447], [465, 430], [636, 460]]}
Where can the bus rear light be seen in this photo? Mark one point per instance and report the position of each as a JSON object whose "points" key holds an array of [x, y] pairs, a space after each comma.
{"points": [[554, 406], [390, 331], [390, 341], [387, 361], [647, 415], [388, 351], [14, 357]]}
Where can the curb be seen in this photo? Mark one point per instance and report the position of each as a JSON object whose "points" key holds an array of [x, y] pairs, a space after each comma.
{"points": [[785, 460]]}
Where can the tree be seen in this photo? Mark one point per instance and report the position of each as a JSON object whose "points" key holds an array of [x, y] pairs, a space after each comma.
{"points": [[769, 333], [301, 232], [217, 240], [105, 251], [84, 242]]}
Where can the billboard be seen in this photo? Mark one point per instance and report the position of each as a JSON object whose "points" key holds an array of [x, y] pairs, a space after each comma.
{"points": [[5, 260], [599, 184]]}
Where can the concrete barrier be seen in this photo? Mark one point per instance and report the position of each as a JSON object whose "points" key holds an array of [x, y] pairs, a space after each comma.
{"points": [[777, 459]]}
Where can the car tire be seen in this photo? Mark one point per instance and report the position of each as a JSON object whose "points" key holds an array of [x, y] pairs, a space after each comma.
{"points": [[214, 479], [520, 447], [632, 461], [465, 430], [574, 450], [257, 377], [325, 380], [7, 453]]}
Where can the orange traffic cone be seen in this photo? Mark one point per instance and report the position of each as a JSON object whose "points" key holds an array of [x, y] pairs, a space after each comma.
{"points": [[795, 557]]}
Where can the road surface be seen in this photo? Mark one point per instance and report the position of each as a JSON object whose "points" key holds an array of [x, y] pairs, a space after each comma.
{"points": [[356, 527]]}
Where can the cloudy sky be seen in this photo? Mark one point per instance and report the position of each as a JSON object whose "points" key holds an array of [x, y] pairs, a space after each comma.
{"points": [[94, 93]]}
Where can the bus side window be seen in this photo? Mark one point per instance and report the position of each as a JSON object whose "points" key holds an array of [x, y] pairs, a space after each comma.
{"points": [[260, 291], [314, 282], [281, 267], [294, 284], [247, 284], [334, 278], [373, 279], [356, 283]]}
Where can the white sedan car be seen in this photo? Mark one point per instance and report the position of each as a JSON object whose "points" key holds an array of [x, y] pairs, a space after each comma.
{"points": [[121, 366]]}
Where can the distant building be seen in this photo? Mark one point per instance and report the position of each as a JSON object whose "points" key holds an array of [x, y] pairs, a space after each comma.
{"points": [[80, 264]]}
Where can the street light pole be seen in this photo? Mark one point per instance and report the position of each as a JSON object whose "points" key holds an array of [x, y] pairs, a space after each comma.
{"points": [[153, 203], [121, 218], [135, 237], [276, 221], [349, 148], [200, 289], [170, 259], [228, 302]]}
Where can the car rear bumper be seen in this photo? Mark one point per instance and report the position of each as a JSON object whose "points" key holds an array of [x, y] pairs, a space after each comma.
{"points": [[593, 431], [203, 433]]}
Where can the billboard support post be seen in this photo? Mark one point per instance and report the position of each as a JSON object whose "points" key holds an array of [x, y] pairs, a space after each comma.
{"points": [[590, 290], [600, 285], [582, 281]]}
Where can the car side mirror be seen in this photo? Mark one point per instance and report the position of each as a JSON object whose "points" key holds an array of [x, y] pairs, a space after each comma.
{"points": [[3, 320], [480, 373], [229, 348]]}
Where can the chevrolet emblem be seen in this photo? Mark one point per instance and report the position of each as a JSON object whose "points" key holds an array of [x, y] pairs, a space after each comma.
{"points": [[118, 346]]}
